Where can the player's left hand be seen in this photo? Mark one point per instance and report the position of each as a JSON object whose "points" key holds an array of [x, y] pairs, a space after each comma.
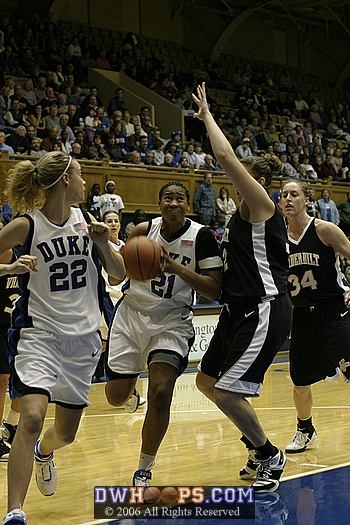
{"points": [[347, 299]]}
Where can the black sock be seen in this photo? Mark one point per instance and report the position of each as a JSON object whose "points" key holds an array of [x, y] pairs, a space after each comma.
{"points": [[305, 425], [247, 443], [266, 451]]}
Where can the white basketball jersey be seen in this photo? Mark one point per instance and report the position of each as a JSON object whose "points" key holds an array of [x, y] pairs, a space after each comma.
{"points": [[169, 291], [62, 297]]}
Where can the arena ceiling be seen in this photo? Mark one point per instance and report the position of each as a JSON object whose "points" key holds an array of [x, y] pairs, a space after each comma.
{"points": [[326, 15]]}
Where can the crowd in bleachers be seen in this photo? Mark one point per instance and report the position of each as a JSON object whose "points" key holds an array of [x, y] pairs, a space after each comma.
{"points": [[46, 104]]}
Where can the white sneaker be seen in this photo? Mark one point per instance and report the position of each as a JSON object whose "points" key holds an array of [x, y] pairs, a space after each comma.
{"points": [[301, 441], [46, 474], [15, 517], [134, 402]]}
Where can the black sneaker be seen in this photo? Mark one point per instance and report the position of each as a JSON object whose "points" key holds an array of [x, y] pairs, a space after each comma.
{"points": [[4, 451], [269, 473], [8, 432]]}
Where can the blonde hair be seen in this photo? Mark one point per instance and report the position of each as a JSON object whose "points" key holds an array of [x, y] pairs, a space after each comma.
{"points": [[27, 185]]}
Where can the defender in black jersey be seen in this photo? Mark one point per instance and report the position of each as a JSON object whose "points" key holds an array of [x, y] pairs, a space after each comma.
{"points": [[320, 342], [256, 317], [8, 295]]}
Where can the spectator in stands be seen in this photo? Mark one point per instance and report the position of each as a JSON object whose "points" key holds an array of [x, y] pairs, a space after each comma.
{"points": [[48, 142], [337, 161], [5, 101], [285, 81], [272, 135], [183, 163], [103, 122], [328, 168], [102, 62], [225, 207], [298, 135], [335, 131], [176, 156], [76, 151], [29, 94], [318, 167], [15, 117], [243, 150], [90, 123], [40, 89], [97, 149], [36, 119], [210, 164], [73, 119], [120, 137], [135, 158], [129, 126], [158, 150], [116, 103], [301, 107], [35, 148], [313, 209], [27, 62], [114, 150], [84, 144], [58, 77], [63, 126], [74, 52], [18, 141], [62, 103], [190, 155], [8, 63], [139, 216], [65, 144], [48, 100], [328, 209], [204, 200], [285, 163], [168, 160], [52, 119], [134, 140], [3, 146], [149, 158]]}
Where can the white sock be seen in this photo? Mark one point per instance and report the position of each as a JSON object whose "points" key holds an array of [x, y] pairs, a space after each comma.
{"points": [[12, 417], [146, 462]]}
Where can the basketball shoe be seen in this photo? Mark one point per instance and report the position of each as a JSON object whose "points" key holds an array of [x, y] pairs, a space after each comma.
{"points": [[269, 473], [345, 370], [301, 441], [8, 431], [251, 467], [141, 478], [4, 451], [134, 402], [15, 517], [45, 475]]}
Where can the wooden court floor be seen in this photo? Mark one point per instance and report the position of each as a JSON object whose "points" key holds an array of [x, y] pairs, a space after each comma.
{"points": [[201, 447]]}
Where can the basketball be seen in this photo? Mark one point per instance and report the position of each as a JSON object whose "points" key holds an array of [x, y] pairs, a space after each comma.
{"points": [[169, 495], [142, 258], [151, 495]]}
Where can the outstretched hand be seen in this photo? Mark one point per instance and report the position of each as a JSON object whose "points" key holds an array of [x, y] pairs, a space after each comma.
{"points": [[201, 101]]}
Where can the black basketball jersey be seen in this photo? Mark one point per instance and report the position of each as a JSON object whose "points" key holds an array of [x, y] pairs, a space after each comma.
{"points": [[314, 269], [9, 292], [255, 258]]}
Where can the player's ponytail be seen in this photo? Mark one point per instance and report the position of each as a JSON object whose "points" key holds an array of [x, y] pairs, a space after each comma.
{"points": [[27, 185]]}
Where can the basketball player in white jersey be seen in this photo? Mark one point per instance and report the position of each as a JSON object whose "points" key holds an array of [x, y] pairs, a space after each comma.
{"points": [[54, 340], [152, 325]]}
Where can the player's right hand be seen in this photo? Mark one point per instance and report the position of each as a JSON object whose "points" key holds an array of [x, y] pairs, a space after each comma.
{"points": [[25, 263]]}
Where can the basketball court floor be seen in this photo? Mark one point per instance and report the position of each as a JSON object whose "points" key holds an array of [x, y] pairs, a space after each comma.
{"points": [[202, 448]]}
